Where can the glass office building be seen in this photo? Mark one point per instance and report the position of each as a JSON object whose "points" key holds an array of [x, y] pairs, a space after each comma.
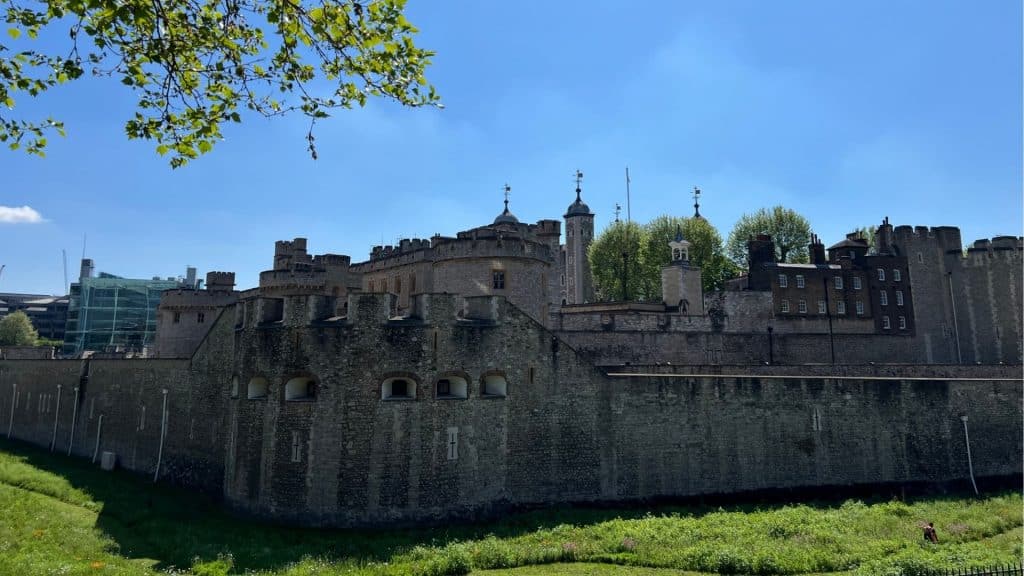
{"points": [[112, 313]]}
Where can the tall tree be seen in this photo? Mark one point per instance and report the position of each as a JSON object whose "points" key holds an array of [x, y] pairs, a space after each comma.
{"points": [[198, 64], [17, 330], [706, 252], [790, 231], [609, 253]]}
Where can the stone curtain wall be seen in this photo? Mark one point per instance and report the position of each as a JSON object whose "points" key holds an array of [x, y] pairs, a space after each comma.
{"points": [[128, 395], [564, 432], [572, 434]]}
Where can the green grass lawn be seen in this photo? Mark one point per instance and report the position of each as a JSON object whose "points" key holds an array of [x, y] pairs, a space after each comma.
{"points": [[64, 516]]}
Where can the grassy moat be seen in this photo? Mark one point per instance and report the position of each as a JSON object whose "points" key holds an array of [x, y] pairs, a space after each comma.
{"points": [[64, 516]]}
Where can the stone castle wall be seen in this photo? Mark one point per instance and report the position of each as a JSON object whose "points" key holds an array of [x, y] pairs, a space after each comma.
{"points": [[120, 410], [562, 432]]}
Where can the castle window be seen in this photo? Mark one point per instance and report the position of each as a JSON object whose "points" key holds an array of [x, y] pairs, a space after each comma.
{"points": [[883, 298], [412, 283], [839, 282], [920, 258], [896, 276], [899, 297], [860, 308], [296, 447], [257, 388], [498, 279], [885, 323], [784, 307], [856, 282], [453, 443], [302, 388], [841, 308], [561, 280], [881, 274], [234, 387], [398, 388], [903, 322], [821, 307], [200, 317], [783, 281], [452, 387], [494, 385], [398, 285], [802, 306], [799, 280], [177, 317]]}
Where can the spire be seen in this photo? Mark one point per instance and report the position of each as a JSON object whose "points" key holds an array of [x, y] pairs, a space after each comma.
{"points": [[696, 202], [506, 217], [578, 208]]}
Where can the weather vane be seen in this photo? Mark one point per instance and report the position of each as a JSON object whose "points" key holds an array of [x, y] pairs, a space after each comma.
{"points": [[617, 210], [696, 202], [508, 190]]}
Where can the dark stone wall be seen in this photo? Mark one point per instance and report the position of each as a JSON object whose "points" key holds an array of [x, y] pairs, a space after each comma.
{"points": [[564, 432]]}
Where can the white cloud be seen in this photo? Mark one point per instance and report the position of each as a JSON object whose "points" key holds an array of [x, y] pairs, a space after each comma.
{"points": [[19, 215]]}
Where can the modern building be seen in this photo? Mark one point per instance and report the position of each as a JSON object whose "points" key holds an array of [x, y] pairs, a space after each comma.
{"points": [[47, 313], [111, 313]]}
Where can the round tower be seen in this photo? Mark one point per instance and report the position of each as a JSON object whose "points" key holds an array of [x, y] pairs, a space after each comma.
{"points": [[579, 233]]}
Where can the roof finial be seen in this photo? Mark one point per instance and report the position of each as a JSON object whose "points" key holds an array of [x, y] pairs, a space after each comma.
{"points": [[508, 190], [579, 179], [617, 210], [696, 202], [679, 233]]}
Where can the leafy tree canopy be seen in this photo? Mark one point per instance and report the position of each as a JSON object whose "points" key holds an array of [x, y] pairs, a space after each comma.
{"points": [[197, 64], [16, 330], [790, 231], [648, 248], [607, 262], [706, 252]]}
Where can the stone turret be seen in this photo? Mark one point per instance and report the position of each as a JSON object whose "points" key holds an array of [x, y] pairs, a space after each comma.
{"points": [[681, 282], [579, 234]]}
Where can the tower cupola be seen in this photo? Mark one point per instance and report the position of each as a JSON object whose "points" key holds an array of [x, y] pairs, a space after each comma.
{"points": [[506, 217]]}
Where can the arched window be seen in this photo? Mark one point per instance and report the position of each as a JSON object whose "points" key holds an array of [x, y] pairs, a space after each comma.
{"points": [[494, 385], [257, 388], [451, 387], [398, 388], [301, 388]]}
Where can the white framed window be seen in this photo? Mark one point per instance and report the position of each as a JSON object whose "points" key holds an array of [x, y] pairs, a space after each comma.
{"points": [[841, 308], [896, 276], [839, 282], [860, 308], [802, 306], [899, 297], [903, 322], [785, 306], [783, 281], [885, 323], [799, 280], [856, 282], [883, 298], [881, 274], [821, 307]]}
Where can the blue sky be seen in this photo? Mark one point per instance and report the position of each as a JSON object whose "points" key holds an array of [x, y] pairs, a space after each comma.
{"points": [[843, 111]]}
